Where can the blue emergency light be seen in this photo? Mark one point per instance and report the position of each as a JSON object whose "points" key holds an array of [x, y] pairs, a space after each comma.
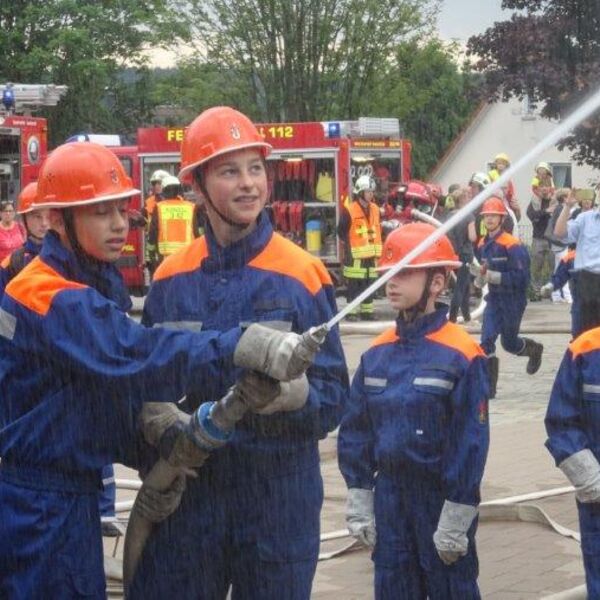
{"points": [[333, 129], [8, 98]]}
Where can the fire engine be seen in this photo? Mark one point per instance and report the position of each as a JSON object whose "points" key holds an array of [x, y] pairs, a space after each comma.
{"points": [[23, 139], [312, 169]]}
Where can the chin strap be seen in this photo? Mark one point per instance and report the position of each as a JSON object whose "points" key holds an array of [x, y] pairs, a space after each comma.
{"points": [[411, 314]]}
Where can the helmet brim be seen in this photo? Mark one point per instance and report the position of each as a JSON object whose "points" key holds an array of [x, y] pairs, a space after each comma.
{"points": [[451, 264], [87, 201]]}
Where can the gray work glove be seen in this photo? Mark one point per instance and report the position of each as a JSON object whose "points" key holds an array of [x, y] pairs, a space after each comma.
{"points": [[293, 396], [476, 270], [258, 391], [156, 506], [493, 277], [281, 355], [450, 538], [360, 516], [158, 418], [583, 471], [546, 290]]}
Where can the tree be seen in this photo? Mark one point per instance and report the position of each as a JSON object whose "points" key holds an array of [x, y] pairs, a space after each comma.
{"points": [[551, 53], [307, 59], [87, 45], [425, 89]]}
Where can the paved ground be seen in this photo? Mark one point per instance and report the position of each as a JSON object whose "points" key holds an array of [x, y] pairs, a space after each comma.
{"points": [[518, 560]]}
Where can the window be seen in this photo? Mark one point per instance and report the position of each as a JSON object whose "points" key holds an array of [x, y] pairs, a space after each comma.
{"points": [[561, 173]]}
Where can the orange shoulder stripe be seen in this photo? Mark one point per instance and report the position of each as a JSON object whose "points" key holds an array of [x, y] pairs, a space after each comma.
{"points": [[186, 260], [588, 341], [455, 337], [507, 240], [389, 336], [286, 258], [37, 284]]}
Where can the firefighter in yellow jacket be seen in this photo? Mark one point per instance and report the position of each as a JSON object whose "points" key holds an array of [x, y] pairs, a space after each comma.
{"points": [[360, 230], [173, 221]]}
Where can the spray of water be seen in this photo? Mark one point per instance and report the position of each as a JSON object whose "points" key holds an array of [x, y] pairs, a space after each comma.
{"points": [[579, 115]]}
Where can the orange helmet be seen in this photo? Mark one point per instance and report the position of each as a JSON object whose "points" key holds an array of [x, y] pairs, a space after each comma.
{"points": [[401, 241], [27, 198], [216, 131], [79, 173], [494, 206]]}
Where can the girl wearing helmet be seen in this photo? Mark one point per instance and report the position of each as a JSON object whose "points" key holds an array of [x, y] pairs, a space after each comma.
{"points": [[413, 442], [250, 519], [36, 224], [504, 266], [76, 371]]}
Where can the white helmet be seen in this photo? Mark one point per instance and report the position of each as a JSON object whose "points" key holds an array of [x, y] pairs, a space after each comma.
{"points": [[159, 175], [170, 180], [480, 178], [365, 183]]}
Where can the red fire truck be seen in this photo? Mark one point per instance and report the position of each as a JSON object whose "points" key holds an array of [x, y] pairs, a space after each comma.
{"points": [[313, 168], [23, 147]]}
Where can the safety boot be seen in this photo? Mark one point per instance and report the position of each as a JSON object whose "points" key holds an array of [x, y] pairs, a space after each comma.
{"points": [[493, 370], [533, 350]]}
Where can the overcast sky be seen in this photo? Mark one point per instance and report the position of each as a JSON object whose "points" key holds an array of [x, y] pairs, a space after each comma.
{"points": [[461, 19]]}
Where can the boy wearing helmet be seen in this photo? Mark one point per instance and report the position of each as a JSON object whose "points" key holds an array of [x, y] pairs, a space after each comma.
{"points": [[250, 520], [413, 442], [75, 373], [359, 229], [504, 266], [501, 163]]}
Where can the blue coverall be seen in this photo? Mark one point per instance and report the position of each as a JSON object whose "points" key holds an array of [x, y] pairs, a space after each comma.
{"points": [[573, 424], [416, 430], [74, 371], [251, 518], [506, 302], [564, 274], [107, 495]]}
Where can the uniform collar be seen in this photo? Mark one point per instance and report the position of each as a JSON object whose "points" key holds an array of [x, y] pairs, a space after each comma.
{"points": [[103, 277], [423, 325], [239, 253]]}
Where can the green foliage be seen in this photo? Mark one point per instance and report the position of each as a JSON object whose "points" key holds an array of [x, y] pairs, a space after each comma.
{"points": [[87, 45], [423, 87]]}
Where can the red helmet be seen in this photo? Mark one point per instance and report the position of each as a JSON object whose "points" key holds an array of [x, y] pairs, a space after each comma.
{"points": [[27, 198], [418, 192], [401, 241], [216, 131], [79, 173], [493, 206]]}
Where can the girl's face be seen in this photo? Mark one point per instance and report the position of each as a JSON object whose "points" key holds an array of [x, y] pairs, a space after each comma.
{"points": [[38, 222], [102, 228], [7, 215], [237, 186]]}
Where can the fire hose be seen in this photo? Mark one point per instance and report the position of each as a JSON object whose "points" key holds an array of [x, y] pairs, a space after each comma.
{"points": [[162, 475]]}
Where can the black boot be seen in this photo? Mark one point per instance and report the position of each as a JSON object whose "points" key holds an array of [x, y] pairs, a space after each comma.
{"points": [[493, 370], [534, 351]]}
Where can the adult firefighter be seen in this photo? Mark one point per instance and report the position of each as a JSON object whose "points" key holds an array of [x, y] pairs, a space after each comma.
{"points": [[504, 266], [155, 196], [359, 229], [251, 518], [75, 373], [173, 221], [413, 443]]}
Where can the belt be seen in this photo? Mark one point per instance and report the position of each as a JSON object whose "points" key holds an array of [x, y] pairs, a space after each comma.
{"points": [[47, 479]]}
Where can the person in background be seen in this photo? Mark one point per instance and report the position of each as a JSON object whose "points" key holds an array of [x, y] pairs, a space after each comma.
{"points": [[462, 236], [413, 441], [359, 228], [478, 182], [155, 193], [584, 231], [507, 192], [542, 184], [12, 233], [558, 247]]}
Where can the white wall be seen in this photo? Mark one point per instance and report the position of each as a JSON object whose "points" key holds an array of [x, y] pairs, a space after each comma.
{"points": [[504, 127]]}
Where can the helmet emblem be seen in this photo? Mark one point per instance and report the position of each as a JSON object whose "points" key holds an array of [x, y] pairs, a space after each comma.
{"points": [[235, 132], [114, 177], [389, 253]]}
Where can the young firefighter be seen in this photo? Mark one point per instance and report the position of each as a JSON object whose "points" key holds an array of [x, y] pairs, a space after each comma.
{"points": [[573, 428], [36, 224], [75, 371], [251, 518], [413, 442], [504, 266]]}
